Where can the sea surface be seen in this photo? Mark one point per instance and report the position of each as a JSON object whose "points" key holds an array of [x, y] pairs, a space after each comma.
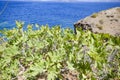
{"points": [[51, 13]]}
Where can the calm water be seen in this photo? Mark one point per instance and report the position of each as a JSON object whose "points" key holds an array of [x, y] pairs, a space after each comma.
{"points": [[51, 13]]}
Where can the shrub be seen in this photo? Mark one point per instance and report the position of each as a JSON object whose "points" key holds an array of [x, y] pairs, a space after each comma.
{"points": [[100, 27], [45, 52], [94, 15], [101, 21]]}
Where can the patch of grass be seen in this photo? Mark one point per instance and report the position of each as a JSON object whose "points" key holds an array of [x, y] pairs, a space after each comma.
{"points": [[94, 15], [116, 20], [101, 21], [100, 27]]}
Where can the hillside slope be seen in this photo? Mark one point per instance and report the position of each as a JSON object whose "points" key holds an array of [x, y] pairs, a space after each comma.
{"points": [[107, 21]]}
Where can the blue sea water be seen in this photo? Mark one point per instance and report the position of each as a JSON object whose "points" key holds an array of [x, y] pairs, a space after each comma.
{"points": [[51, 13]]}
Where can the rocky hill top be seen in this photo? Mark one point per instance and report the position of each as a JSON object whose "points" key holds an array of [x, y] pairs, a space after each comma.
{"points": [[107, 21]]}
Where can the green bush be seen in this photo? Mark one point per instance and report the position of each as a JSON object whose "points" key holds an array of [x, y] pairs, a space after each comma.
{"points": [[94, 15], [45, 52]]}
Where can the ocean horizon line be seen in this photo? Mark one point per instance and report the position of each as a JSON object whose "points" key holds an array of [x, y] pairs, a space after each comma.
{"points": [[61, 1]]}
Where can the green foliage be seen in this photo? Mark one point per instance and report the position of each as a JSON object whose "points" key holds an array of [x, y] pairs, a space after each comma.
{"points": [[94, 15], [33, 54]]}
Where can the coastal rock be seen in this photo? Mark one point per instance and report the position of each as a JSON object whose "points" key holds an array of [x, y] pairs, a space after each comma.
{"points": [[107, 21]]}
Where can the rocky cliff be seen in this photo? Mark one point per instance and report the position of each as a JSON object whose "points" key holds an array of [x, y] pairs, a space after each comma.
{"points": [[107, 21]]}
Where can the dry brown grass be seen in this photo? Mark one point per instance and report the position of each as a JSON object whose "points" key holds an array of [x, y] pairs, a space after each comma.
{"points": [[100, 27]]}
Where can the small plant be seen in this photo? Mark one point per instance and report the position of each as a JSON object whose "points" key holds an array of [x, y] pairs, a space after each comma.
{"points": [[101, 21], [100, 27], [94, 15], [116, 20]]}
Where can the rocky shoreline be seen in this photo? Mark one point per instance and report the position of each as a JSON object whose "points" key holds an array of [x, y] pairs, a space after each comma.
{"points": [[106, 21]]}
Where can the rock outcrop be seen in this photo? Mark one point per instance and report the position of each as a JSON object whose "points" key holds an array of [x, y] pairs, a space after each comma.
{"points": [[107, 21]]}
